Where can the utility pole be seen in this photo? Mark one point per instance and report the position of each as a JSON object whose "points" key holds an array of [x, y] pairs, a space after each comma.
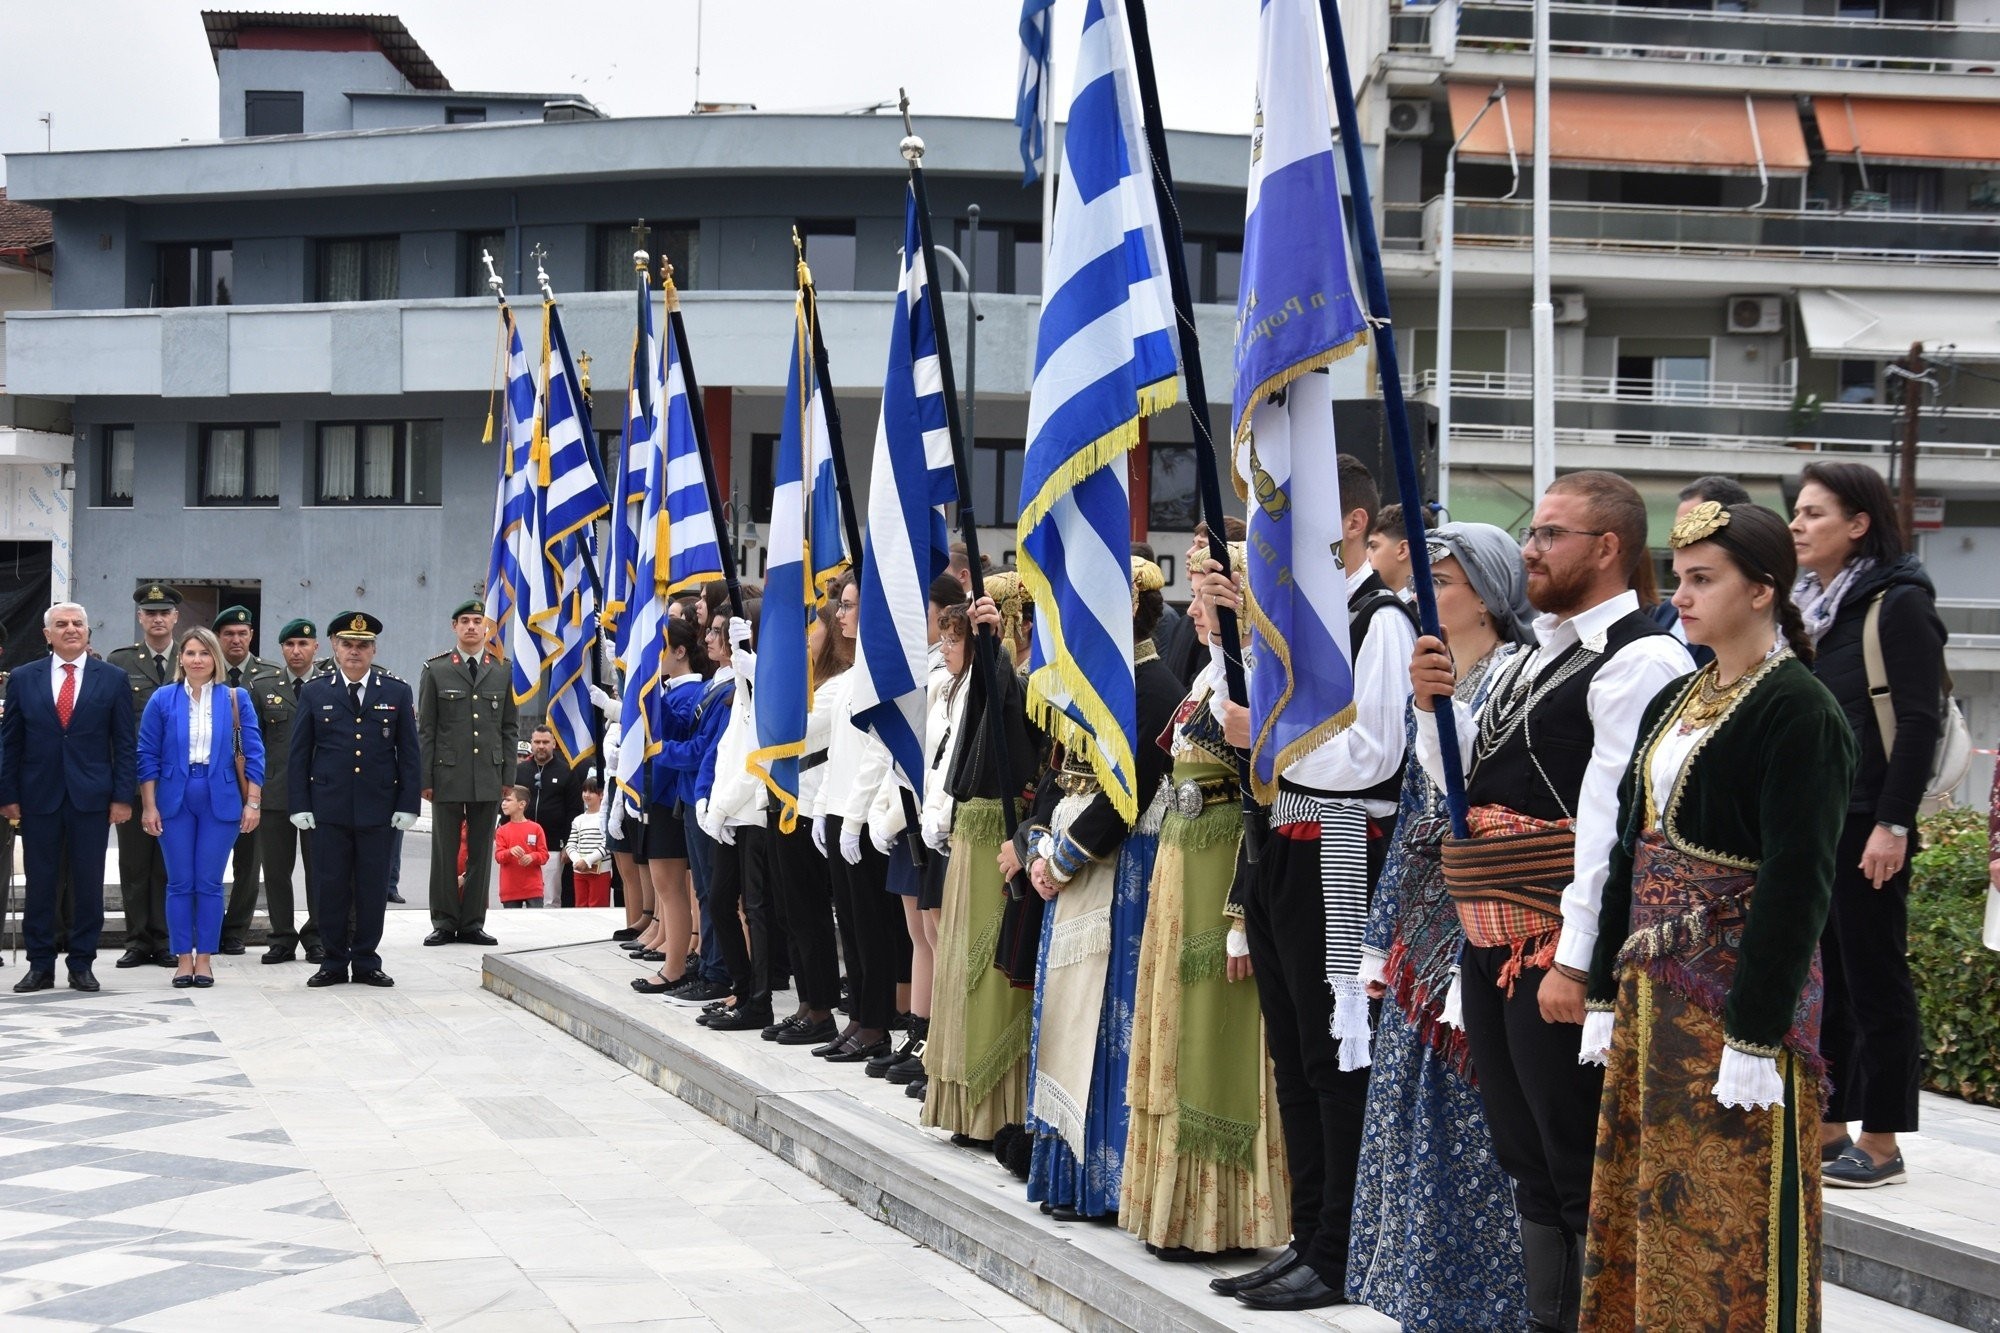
{"points": [[1541, 313], [1906, 491]]}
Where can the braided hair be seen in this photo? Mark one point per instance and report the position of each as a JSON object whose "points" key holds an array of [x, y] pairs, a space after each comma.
{"points": [[1759, 544]]}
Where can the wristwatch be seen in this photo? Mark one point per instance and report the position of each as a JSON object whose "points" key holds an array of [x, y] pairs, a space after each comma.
{"points": [[1899, 830], [256, 805]]}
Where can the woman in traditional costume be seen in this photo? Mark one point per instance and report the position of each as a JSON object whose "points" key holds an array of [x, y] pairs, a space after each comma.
{"points": [[1204, 1170], [1705, 991], [1436, 1241]]}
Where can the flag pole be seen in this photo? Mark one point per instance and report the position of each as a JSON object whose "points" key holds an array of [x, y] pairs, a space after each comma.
{"points": [[985, 645], [849, 524], [678, 330], [1207, 467], [1408, 483]]}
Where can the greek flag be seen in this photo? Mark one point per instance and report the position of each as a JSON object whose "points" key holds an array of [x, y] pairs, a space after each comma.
{"points": [[573, 500], [906, 545], [628, 493], [826, 534], [791, 599], [1031, 96], [1105, 357], [1297, 314], [517, 582]]}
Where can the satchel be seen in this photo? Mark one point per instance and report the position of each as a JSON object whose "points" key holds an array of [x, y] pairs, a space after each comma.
{"points": [[1954, 748], [236, 728]]}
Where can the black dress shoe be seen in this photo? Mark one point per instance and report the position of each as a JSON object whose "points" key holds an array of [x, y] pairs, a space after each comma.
{"points": [[202, 980], [315, 954], [917, 1088], [624, 933], [231, 947], [396, 897], [809, 1033], [184, 981], [782, 1026], [278, 953], [81, 978], [165, 958], [476, 937], [743, 1018], [1300, 1289], [1287, 1260], [1181, 1254], [854, 1051], [133, 958], [654, 986], [632, 946], [373, 977], [648, 956], [326, 976], [437, 937]]}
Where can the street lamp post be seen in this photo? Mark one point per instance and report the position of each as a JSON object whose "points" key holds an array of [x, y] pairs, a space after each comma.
{"points": [[1447, 251]]}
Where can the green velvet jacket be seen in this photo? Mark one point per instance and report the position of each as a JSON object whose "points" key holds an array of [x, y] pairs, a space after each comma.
{"points": [[1765, 791]]}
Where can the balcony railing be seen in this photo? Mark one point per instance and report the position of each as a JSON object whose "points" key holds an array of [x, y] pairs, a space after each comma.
{"points": [[1959, 240], [1600, 388], [1571, 437], [1633, 33]]}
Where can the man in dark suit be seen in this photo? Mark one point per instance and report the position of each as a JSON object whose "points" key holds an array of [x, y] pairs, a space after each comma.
{"points": [[142, 868], [69, 765], [467, 721], [354, 777], [278, 842]]}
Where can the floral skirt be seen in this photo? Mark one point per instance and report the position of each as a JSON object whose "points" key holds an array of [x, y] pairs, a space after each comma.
{"points": [[1702, 1216]]}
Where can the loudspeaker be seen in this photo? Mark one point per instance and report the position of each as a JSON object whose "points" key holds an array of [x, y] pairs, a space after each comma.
{"points": [[1359, 429]]}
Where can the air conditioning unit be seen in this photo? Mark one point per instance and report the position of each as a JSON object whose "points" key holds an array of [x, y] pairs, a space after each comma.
{"points": [[1409, 118], [1755, 314], [1570, 308]]}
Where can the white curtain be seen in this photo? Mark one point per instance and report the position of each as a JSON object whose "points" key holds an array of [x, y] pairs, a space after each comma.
{"points": [[225, 464], [378, 462], [336, 463], [264, 463]]}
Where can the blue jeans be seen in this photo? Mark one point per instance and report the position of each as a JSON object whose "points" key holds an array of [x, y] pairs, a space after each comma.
{"points": [[197, 845], [701, 861]]}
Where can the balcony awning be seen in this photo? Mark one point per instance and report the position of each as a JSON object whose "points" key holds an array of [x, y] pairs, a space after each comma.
{"points": [[1692, 133], [1910, 133], [1876, 325]]}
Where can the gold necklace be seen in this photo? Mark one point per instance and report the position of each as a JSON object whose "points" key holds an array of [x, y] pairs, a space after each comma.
{"points": [[1710, 700]]}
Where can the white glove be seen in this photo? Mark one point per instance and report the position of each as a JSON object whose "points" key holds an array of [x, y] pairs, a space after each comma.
{"points": [[614, 818], [1748, 1082], [723, 832], [881, 845], [937, 831], [739, 634], [607, 704], [819, 834], [403, 821], [611, 750], [304, 821], [850, 845], [1596, 1037]]}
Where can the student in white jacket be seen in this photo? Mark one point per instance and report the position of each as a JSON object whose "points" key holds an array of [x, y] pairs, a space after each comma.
{"points": [[733, 817]]}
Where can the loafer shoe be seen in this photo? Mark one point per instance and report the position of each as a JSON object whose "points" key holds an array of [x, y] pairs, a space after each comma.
{"points": [[315, 955], [133, 958], [476, 937], [1856, 1170], [1287, 1260], [778, 1029], [742, 1018], [396, 897], [165, 958], [808, 1033], [35, 981], [437, 937], [81, 978], [372, 977], [279, 954], [231, 947], [326, 976], [1300, 1289], [1830, 1152], [854, 1052]]}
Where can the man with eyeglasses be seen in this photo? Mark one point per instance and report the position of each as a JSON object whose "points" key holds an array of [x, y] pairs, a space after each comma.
{"points": [[1543, 760], [142, 867]]}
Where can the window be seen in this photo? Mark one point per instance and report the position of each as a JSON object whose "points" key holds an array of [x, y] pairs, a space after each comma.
{"points": [[1214, 267], [763, 476], [1175, 500], [678, 242], [981, 256], [379, 463], [830, 253], [274, 113], [360, 269], [239, 465], [465, 115], [1009, 259], [196, 274], [996, 481], [477, 245], [114, 466]]}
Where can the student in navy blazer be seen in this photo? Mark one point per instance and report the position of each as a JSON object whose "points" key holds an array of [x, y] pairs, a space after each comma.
{"points": [[189, 738], [67, 781]]}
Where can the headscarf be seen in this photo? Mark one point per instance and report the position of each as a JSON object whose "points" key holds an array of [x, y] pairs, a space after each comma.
{"points": [[1491, 560]]}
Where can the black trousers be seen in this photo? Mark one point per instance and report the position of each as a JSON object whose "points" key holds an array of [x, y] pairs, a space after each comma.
{"points": [[1871, 1033], [872, 919], [72, 840], [803, 899], [743, 957], [1540, 1103], [351, 879], [142, 888], [454, 909], [242, 907], [1320, 1106], [278, 844]]}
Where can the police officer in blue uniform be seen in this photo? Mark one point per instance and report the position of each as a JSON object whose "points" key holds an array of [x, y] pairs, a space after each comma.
{"points": [[355, 773]]}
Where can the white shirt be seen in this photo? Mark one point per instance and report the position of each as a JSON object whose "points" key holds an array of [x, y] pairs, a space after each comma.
{"points": [[1618, 696], [56, 665], [201, 722], [340, 678]]}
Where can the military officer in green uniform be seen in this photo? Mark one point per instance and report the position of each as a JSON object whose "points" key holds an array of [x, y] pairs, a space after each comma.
{"points": [[466, 719], [241, 668], [278, 843], [142, 869]]}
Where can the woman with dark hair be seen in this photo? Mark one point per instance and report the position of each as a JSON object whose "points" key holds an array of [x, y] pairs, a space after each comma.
{"points": [[1852, 561], [1704, 996], [662, 850]]}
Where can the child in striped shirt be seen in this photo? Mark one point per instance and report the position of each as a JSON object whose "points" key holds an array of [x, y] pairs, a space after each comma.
{"points": [[586, 852]]}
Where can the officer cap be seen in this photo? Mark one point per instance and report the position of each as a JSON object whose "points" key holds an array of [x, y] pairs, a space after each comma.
{"points": [[233, 615], [157, 595], [297, 629], [471, 606], [355, 625]]}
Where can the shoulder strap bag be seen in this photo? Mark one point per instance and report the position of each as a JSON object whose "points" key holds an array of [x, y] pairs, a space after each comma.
{"points": [[1954, 749]]}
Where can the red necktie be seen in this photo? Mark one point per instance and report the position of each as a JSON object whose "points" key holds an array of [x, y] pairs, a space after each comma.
{"points": [[66, 697]]}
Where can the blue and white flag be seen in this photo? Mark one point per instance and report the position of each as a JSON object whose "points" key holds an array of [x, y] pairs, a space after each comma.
{"points": [[791, 602], [1106, 356], [628, 484], [694, 549], [1297, 314], [826, 531], [1031, 93], [517, 582], [907, 544], [573, 499]]}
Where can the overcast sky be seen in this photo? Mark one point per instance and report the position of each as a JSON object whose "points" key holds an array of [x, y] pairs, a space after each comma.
{"points": [[123, 73]]}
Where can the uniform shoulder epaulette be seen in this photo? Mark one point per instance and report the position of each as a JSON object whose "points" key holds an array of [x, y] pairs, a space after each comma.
{"points": [[389, 675], [444, 656]]}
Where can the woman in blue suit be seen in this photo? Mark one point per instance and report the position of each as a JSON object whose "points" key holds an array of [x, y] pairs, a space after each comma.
{"points": [[188, 742]]}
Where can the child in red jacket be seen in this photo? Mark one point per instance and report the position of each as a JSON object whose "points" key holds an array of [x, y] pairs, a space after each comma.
{"points": [[520, 849]]}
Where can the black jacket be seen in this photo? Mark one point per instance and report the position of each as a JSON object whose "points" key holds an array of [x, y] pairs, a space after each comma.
{"points": [[1913, 656]]}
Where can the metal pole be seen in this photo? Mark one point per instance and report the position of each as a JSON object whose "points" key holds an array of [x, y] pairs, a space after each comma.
{"points": [[972, 323], [1542, 314], [1447, 252], [1906, 489]]}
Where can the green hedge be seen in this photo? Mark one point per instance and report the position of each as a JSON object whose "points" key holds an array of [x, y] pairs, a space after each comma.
{"points": [[1958, 979]]}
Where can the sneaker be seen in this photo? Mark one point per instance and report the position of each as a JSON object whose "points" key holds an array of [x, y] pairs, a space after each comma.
{"points": [[697, 994], [1856, 1170]]}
